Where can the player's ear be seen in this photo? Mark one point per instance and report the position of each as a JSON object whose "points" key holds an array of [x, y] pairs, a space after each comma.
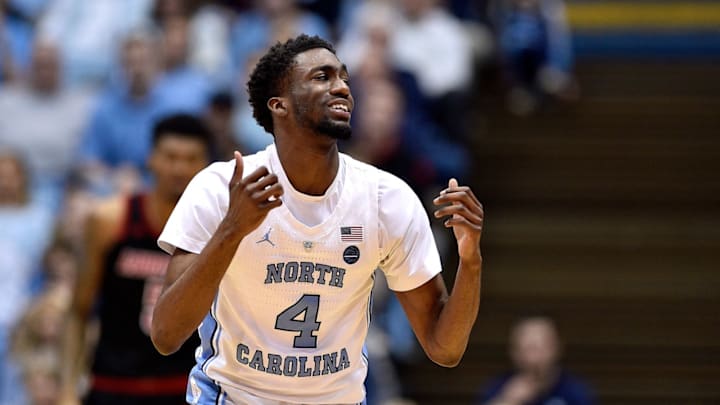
{"points": [[278, 106]]}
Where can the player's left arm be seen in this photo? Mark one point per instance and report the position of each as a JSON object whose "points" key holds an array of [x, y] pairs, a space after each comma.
{"points": [[442, 322]]}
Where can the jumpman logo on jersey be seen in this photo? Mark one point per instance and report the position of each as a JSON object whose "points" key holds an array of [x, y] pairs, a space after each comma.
{"points": [[266, 238]]}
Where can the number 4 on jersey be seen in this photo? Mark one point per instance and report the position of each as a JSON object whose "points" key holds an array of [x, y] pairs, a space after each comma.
{"points": [[288, 320]]}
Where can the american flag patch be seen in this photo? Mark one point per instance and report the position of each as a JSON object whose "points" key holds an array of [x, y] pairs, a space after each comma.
{"points": [[351, 233]]}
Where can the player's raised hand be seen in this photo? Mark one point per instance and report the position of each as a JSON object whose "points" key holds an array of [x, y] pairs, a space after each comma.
{"points": [[465, 217], [252, 197]]}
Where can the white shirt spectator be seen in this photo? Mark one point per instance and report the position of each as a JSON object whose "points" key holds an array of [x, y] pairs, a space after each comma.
{"points": [[89, 33], [436, 49]]}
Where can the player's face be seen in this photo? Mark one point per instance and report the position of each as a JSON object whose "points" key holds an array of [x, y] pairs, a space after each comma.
{"points": [[174, 161], [320, 94]]}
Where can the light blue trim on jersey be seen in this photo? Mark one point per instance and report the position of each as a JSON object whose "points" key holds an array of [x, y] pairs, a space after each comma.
{"points": [[209, 332], [203, 390], [206, 331]]}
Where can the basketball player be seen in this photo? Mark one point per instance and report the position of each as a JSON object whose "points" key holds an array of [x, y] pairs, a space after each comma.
{"points": [[124, 275], [274, 253]]}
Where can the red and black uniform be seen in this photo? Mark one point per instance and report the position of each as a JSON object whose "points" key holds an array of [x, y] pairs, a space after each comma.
{"points": [[127, 369]]}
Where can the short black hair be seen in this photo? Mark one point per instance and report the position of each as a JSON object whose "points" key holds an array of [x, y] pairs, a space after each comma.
{"points": [[185, 125], [271, 73]]}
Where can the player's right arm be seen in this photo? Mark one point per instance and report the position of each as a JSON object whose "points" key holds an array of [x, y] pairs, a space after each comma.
{"points": [[101, 227], [192, 280]]}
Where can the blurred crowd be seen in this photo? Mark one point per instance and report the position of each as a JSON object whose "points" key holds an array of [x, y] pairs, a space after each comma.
{"points": [[83, 82]]}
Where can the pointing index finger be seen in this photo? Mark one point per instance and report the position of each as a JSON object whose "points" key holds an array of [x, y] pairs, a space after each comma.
{"points": [[238, 173]]}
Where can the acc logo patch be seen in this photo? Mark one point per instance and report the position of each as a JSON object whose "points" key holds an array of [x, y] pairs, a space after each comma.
{"points": [[351, 254]]}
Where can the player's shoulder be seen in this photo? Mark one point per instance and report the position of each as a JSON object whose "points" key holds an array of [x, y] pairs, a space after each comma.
{"points": [[390, 186], [109, 208], [385, 178], [357, 165], [107, 216]]}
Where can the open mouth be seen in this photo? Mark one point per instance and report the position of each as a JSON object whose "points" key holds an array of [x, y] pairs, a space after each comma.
{"points": [[340, 110]]}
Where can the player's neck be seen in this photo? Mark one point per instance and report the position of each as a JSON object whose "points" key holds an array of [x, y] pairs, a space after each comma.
{"points": [[312, 166]]}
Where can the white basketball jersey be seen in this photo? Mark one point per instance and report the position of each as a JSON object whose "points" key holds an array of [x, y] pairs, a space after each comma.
{"points": [[292, 311]]}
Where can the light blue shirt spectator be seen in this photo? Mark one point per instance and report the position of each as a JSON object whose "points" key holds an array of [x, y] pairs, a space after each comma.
{"points": [[252, 33], [30, 9], [15, 291], [16, 38], [542, 29], [185, 89], [119, 132], [28, 228]]}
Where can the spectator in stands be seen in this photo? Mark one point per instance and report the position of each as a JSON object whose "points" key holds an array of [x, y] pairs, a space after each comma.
{"points": [[393, 130], [25, 221], [538, 377], [534, 42], [268, 22], [76, 206], [165, 10], [209, 50], [182, 86], [31, 112], [219, 118], [40, 378], [36, 346], [30, 10], [425, 40], [60, 264], [117, 141], [435, 46], [380, 139], [26, 226], [469, 10], [15, 272], [89, 34], [366, 51], [16, 36], [208, 29]]}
